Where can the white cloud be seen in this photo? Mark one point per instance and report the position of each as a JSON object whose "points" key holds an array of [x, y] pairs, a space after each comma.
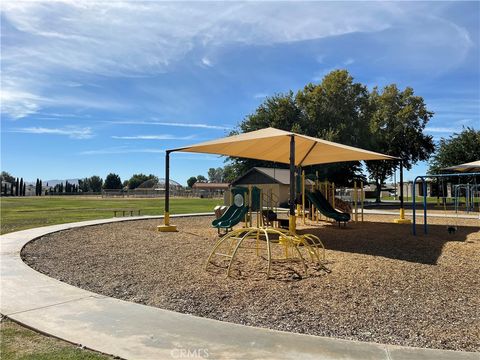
{"points": [[260, 95], [18, 104], [207, 62], [72, 132], [441, 129], [129, 39], [122, 150], [154, 137], [172, 124]]}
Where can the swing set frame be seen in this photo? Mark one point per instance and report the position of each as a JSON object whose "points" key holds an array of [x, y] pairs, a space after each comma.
{"points": [[424, 187]]}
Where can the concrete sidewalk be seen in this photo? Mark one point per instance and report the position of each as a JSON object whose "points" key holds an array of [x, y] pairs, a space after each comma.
{"points": [[135, 331]]}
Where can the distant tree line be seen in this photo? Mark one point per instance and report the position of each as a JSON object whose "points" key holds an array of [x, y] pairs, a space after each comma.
{"points": [[12, 186]]}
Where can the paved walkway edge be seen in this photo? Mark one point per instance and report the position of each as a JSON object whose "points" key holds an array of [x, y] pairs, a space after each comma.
{"points": [[134, 331]]}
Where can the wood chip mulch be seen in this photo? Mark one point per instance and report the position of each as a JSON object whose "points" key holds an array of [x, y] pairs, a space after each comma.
{"points": [[381, 284]]}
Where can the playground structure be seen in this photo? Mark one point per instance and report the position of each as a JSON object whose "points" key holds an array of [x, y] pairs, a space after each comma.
{"points": [[261, 234], [424, 187], [278, 146], [324, 202]]}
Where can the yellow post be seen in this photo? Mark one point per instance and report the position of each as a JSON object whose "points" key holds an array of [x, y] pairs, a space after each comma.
{"points": [[303, 196], [362, 196], [292, 224]]}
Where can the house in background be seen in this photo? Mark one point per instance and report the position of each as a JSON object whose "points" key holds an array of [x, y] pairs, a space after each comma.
{"points": [[269, 179], [209, 190]]}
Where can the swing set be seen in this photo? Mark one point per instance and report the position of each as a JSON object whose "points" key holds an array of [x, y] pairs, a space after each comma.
{"points": [[451, 228]]}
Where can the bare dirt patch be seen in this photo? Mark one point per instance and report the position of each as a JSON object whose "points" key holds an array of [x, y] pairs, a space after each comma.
{"points": [[384, 284]]}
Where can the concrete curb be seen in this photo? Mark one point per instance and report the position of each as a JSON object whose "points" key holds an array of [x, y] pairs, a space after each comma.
{"points": [[136, 331]]}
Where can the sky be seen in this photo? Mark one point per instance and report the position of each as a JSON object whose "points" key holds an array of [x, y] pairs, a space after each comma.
{"points": [[93, 87]]}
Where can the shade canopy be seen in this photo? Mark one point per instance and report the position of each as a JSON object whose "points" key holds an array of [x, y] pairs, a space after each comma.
{"points": [[467, 167], [272, 144]]}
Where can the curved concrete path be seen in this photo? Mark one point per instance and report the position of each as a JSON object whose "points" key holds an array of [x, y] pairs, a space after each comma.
{"points": [[135, 331]]}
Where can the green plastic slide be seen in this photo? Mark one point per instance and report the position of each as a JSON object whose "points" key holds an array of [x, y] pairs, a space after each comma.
{"points": [[231, 217], [322, 204]]}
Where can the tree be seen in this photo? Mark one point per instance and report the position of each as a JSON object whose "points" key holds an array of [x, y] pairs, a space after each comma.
{"points": [[112, 181], [17, 190], [40, 187], [201, 179], [191, 181], [24, 190], [5, 176], [457, 149], [137, 179], [337, 109], [95, 183], [5, 190], [215, 175], [398, 121], [229, 173]]}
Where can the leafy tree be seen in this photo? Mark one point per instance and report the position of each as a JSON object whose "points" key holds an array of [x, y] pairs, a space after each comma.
{"points": [[191, 181], [137, 179], [24, 189], [95, 183], [112, 181], [201, 178], [36, 187], [40, 186], [215, 175], [229, 173], [337, 109], [397, 124], [457, 149], [5, 176], [84, 185], [5, 190], [17, 187]]}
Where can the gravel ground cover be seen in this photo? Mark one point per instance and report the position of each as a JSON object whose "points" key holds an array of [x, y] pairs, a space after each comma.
{"points": [[381, 284]]}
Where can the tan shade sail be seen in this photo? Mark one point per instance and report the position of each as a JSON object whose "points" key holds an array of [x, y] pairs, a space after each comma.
{"points": [[272, 144], [467, 167]]}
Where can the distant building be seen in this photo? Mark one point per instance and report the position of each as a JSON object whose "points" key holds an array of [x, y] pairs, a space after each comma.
{"points": [[270, 179], [209, 189]]}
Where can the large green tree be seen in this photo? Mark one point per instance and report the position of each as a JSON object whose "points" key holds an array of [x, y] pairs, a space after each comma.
{"points": [[455, 150], [112, 181], [5, 176], [337, 109], [138, 179], [397, 122], [191, 181]]}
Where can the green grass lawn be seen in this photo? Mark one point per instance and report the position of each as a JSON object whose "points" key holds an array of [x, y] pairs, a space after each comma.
{"points": [[17, 342], [19, 213]]}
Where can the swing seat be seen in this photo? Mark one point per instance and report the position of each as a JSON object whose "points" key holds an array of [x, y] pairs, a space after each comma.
{"points": [[451, 229]]}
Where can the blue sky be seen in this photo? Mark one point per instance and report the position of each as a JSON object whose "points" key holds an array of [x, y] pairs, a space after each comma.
{"points": [[97, 87]]}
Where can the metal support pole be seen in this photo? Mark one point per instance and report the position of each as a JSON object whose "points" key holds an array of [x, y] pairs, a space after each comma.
{"points": [[401, 219], [414, 219], [424, 185], [292, 219], [166, 227]]}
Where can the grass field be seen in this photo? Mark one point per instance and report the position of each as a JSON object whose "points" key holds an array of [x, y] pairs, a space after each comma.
{"points": [[28, 212], [17, 342]]}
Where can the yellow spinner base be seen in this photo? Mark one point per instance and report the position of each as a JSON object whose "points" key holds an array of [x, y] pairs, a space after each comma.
{"points": [[167, 228]]}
